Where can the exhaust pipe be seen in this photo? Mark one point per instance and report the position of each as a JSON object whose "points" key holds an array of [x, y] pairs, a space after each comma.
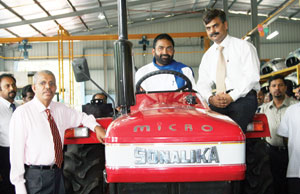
{"points": [[124, 74]]}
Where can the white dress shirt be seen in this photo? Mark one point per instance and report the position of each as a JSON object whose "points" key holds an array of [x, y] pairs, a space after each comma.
{"points": [[5, 115], [161, 82], [242, 68], [31, 137], [289, 127]]}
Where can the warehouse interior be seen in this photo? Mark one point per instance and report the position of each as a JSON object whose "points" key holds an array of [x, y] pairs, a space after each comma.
{"points": [[233, 132], [49, 34]]}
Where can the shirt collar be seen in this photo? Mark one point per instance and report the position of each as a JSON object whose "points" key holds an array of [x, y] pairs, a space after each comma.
{"points": [[224, 43], [286, 102], [40, 106], [5, 102]]}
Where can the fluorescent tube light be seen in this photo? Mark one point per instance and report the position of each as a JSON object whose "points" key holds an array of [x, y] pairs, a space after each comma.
{"points": [[272, 35], [101, 16]]}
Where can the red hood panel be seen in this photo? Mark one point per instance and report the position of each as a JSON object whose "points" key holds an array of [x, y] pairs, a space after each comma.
{"points": [[163, 125]]}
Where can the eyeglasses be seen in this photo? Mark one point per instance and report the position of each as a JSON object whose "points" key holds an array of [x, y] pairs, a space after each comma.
{"points": [[97, 101]]}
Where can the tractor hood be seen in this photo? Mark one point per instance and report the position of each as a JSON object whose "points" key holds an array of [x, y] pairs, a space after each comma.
{"points": [[167, 117], [171, 137]]}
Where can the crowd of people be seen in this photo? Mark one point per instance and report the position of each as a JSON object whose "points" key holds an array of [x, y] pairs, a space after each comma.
{"points": [[275, 110], [31, 134]]}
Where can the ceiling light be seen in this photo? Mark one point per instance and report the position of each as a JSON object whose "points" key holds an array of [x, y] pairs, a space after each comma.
{"points": [[170, 15], [148, 19], [101, 16], [272, 35]]}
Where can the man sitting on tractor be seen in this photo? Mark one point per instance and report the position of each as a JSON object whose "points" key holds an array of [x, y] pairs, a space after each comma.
{"points": [[163, 53]]}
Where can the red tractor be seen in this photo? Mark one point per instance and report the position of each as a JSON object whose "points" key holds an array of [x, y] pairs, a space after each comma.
{"points": [[164, 142]]}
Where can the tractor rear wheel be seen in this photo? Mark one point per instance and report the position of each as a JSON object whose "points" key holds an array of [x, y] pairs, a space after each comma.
{"points": [[258, 174], [83, 168]]}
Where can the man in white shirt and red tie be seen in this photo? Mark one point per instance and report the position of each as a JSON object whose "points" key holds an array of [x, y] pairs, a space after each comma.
{"points": [[36, 136], [8, 91], [233, 65]]}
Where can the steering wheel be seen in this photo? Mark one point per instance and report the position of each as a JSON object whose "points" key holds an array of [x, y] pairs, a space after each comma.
{"points": [[188, 84]]}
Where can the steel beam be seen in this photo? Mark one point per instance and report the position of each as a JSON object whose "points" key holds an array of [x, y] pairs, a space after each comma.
{"points": [[229, 7], [254, 21], [101, 37], [271, 18], [72, 14], [282, 4]]}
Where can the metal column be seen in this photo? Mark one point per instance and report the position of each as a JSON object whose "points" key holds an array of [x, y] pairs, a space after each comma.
{"points": [[254, 21]]}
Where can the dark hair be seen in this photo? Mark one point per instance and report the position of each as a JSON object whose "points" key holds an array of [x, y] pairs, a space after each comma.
{"points": [[277, 77], [289, 88], [163, 36], [26, 89], [7, 75], [93, 98], [264, 89], [211, 14]]}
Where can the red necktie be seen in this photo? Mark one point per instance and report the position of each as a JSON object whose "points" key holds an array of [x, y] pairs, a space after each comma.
{"points": [[56, 139]]}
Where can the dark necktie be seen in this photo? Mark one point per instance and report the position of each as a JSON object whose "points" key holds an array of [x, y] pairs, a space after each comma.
{"points": [[13, 106], [56, 140]]}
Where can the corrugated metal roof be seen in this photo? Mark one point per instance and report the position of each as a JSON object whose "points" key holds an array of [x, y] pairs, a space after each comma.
{"points": [[34, 18]]}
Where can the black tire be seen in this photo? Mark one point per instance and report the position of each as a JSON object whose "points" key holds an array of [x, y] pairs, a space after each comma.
{"points": [[258, 174], [83, 169]]}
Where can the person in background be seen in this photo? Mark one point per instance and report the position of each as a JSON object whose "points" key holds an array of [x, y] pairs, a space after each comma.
{"points": [[27, 93], [36, 134], [163, 54], [260, 97], [297, 92], [100, 96], [98, 106], [274, 110], [260, 100], [8, 91], [268, 97], [289, 128], [232, 65], [289, 88]]}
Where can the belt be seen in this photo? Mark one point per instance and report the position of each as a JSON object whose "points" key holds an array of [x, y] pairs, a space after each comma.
{"points": [[250, 92], [41, 167], [229, 91], [277, 148]]}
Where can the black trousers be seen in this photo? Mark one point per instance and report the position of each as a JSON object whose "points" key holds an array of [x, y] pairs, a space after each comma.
{"points": [[293, 185], [278, 163], [241, 111], [5, 184], [44, 181]]}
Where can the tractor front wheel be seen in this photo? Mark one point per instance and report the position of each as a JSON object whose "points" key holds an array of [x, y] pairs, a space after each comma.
{"points": [[83, 168], [258, 174]]}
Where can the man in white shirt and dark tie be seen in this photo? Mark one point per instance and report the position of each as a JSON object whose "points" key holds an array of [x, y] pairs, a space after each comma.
{"points": [[36, 135], [232, 65], [8, 91]]}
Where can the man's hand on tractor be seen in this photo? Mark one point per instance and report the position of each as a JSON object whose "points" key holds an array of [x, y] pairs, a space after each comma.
{"points": [[100, 133]]}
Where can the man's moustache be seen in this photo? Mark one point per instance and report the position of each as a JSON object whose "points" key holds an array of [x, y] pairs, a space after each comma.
{"points": [[12, 92], [215, 33], [165, 55]]}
